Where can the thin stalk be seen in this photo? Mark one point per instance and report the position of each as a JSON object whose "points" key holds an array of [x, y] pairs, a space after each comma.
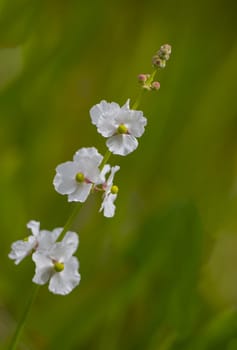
{"points": [[23, 320], [70, 220], [105, 159], [141, 92]]}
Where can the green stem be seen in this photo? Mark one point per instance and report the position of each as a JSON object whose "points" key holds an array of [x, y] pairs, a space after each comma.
{"points": [[70, 220], [141, 92], [105, 159], [22, 322]]}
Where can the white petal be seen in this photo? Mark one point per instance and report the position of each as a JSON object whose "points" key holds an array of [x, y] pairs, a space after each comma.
{"points": [[43, 268], [64, 282], [107, 126], [34, 227], [63, 251], [71, 240], [134, 121], [110, 180], [67, 169], [64, 185], [88, 152], [108, 205], [103, 108], [81, 193], [20, 249], [64, 180], [137, 125], [92, 173], [46, 239], [103, 173], [122, 144], [126, 105]]}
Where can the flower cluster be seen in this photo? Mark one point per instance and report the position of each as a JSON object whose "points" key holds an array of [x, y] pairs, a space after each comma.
{"points": [[86, 173], [163, 55], [54, 261]]}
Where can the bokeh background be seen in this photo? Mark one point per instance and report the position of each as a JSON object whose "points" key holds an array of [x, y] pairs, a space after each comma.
{"points": [[162, 274]]}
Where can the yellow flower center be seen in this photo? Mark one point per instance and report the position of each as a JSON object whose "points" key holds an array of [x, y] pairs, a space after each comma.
{"points": [[122, 129], [114, 189], [80, 177], [58, 267]]}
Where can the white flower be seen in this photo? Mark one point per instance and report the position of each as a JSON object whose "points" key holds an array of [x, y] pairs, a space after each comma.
{"points": [[75, 178], [121, 125], [111, 192], [39, 240], [58, 266]]}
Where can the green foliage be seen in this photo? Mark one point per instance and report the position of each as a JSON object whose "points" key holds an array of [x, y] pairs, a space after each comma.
{"points": [[149, 279]]}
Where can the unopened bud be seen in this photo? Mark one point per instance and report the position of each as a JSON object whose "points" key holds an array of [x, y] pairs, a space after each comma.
{"points": [[166, 49], [158, 62], [163, 55], [155, 85], [142, 78]]}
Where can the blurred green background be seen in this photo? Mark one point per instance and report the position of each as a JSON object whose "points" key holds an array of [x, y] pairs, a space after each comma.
{"points": [[162, 274]]}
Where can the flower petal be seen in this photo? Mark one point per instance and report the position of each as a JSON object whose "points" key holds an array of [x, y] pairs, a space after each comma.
{"points": [[103, 109], [126, 105], [34, 226], [46, 239], [110, 180], [43, 268], [88, 152], [103, 173], [107, 126], [64, 282], [122, 144], [20, 249], [64, 180], [134, 121], [63, 251], [108, 205], [81, 193]]}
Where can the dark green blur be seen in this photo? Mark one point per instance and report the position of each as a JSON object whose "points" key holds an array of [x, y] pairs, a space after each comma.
{"points": [[162, 274]]}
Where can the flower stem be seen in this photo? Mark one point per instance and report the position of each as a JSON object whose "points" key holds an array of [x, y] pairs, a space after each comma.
{"points": [[22, 322], [70, 220], [138, 99], [105, 159], [141, 92]]}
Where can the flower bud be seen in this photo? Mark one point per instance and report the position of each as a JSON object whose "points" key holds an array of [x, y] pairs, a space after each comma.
{"points": [[166, 49], [158, 62], [163, 55], [155, 85], [142, 78]]}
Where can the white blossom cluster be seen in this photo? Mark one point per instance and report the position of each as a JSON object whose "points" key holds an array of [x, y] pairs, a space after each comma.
{"points": [[86, 173], [54, 261], [77, 178]]}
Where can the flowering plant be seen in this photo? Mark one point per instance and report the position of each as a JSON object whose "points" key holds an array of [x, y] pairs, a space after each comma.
{"points": [[88, 172]]}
